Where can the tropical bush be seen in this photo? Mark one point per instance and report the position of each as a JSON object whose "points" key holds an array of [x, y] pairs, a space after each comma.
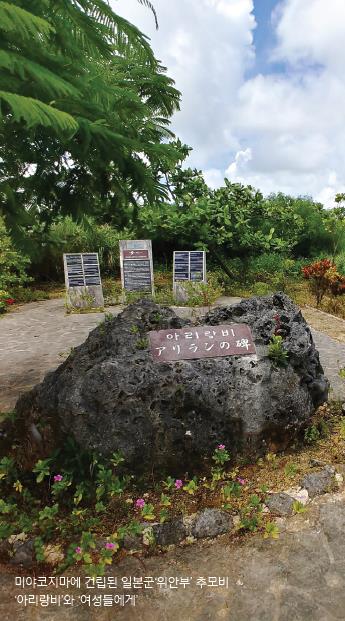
{"points": [[12, 264], [5, 300], [323, 277], [66, 235], [203, 293], [261, 288]]}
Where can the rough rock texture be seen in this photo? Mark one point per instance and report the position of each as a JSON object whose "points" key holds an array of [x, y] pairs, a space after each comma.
{"points": [[23, 553], [110, 395], [204, 524], [319, 482], [170, 532], [211, 523], [280, 504]]}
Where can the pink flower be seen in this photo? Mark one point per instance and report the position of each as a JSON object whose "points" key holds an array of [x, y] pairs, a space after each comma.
{"points": [[241, 481], [78, 550], [178, 483], [109, 545], [221, 447], [58, 478], [140, 503]]}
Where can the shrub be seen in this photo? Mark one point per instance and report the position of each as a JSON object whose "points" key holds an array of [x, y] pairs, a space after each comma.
{"points": [[201, 293], [340, 263], [5, 300], [12, 264], [67, 235], [261, 288], [265, 266], [112, 291], [323, 277]]}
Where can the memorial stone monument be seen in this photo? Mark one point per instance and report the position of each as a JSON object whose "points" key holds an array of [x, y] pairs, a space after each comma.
{"points": [[167, 392], [83, 280], [136, 265], [189, 265]]}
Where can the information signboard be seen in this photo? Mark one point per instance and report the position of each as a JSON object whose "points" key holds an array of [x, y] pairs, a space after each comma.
{"points": [[83, 280], [201, 342], [189, 265], [136, 265]]}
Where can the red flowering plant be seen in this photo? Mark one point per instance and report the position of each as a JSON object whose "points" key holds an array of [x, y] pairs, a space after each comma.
{"points": [[323, 277], [5, 300]]}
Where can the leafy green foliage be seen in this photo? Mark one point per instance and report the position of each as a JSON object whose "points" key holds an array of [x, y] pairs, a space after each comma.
{"points": [[271, 531], [142, 343], [312, 435], [12, 264], [231, 489], [203, 294], [191, 486], [276, 351], [221, 455], [82, 99], [147, 512], [251, 514], [291, 470], [42, 469], [298, 507]]}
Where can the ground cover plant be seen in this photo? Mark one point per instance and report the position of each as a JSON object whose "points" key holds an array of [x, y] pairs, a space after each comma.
{"points": [[79, 508]]}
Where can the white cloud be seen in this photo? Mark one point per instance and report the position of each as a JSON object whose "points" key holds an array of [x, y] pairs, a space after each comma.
{"points": [[241, 159], [282, 131], [214, 177], [294, 121], [207, 46], [311, 31]]}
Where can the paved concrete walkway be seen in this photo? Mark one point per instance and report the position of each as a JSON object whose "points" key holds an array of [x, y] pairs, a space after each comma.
{"points": [[37, 337]]}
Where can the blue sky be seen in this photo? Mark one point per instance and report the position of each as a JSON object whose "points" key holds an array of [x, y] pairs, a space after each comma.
{"points": [[263, 88], [264, 36]]}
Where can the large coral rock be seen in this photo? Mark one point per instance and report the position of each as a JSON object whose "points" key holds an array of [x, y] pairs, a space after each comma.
{"points": [[110, 395]]}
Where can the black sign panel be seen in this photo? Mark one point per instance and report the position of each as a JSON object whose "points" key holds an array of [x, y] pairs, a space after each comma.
{"points": [[91, 269], [189, 265], [196, 265], [181, 265], [82, 270], [137, 274], [75, 272]]}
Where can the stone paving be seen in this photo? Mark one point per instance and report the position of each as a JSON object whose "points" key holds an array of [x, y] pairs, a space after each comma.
{"points": [[298, 577], [35, 338]]}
